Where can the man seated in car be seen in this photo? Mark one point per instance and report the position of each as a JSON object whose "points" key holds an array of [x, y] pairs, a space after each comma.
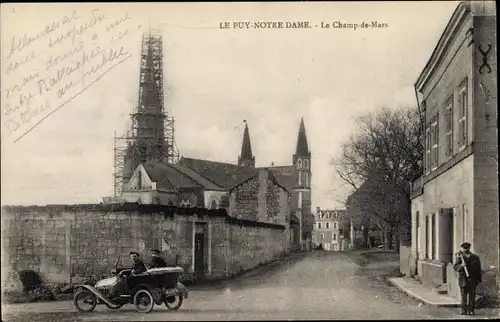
{"points": [[138, 267], [156, 260]]}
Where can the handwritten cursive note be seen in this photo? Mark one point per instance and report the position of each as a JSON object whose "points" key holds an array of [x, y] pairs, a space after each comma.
{"points": [[47, 68]]}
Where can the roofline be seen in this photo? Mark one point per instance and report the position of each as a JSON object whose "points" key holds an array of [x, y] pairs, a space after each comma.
{"points": [[222, 188], [242, 182], [145, 170], [278, 166], [455, 22], [276, 181], [190, 177], [256, 175], [226, 163]]}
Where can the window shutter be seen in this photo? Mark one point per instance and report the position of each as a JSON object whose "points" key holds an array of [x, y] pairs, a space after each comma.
{"points": [[447, 119], [437, 138], [460, 111], [466, 117]]}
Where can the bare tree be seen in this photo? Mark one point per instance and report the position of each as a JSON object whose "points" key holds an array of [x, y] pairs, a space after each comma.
{"points": [[379, 161]]}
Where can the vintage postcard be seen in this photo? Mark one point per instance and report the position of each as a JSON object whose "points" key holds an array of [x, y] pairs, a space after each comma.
{"points": [[249, 161]]}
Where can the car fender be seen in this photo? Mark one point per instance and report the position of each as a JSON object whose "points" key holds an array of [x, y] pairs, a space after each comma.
{"points": [[157, 295], [96, 293], [182, 289]]}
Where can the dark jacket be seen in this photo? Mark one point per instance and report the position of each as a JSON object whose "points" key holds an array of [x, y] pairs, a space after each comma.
{"points": [[139, 267], [157, 261], [473, 264]]}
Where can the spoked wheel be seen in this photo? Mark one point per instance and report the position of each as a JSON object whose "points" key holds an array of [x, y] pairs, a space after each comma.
{"points": [[85, 301], [174, 302], [143, 301]]}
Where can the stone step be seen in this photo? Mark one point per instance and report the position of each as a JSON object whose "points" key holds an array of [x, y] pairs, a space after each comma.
{"points": [[441, 289]]}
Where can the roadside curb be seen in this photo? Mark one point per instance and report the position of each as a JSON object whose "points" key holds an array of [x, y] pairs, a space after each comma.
{"points": [[420, 298]]}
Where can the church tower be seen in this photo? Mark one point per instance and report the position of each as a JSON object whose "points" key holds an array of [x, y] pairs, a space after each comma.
{"points": [[246, 159], [302, 165]]}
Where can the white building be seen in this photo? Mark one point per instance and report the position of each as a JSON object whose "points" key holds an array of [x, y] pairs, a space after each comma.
{"points": [[327, 229]]}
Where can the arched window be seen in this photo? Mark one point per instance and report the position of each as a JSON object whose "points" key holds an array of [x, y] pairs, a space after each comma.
{"points": [[306, 179], [306, 164], [299, 164]]}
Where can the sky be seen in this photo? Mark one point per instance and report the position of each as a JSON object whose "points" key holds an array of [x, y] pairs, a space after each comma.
{"points": [[214, 79]]}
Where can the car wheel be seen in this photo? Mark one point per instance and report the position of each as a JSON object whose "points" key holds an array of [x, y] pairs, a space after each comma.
{"points": [[173, 303], [85, 301], [143, 301]]}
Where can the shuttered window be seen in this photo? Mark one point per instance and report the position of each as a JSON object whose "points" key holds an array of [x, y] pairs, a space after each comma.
{"points": [[449, 127], [462, 114]]}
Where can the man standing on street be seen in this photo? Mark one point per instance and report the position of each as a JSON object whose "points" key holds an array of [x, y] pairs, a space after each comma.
{"points": [[468, 266]]}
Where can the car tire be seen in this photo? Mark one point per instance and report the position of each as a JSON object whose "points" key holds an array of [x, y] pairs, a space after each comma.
{"points": [[143, 296], [174, 307], [81, 294]]}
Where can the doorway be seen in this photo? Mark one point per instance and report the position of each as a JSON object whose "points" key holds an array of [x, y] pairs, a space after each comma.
{"points": [[199, 250]]}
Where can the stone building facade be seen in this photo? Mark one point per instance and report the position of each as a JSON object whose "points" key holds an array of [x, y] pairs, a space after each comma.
{"points": [[456, 199], [327, 229]]}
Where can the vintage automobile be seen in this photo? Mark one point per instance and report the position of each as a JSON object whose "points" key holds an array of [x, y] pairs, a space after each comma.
{"points": [[155, 286]]}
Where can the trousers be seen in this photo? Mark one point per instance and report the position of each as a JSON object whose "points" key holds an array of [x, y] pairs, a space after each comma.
{"points": [[468, 297]]}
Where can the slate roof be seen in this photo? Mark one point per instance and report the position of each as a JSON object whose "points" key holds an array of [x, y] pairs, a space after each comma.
{"points": [[168, 178], [228, 175], [302, 146], [284, 169], [224, 175], [331, 214], [272, 176], [207, 184], [285, 175], [246, 146], [287, 181]]}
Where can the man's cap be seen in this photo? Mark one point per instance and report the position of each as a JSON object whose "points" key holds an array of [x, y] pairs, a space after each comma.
{"points": [[154, 251], [465, 245], [136, 253]]}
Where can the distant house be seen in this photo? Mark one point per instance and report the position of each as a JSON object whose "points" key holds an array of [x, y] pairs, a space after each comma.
{"points": [[456, 199], [327, 229]]}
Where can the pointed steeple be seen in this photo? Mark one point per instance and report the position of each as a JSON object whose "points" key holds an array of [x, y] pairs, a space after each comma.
{"points": [[150, 91], [246, 158], [302, 147]]}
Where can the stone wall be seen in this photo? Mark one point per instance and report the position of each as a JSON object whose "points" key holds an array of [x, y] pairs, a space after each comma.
{"points": [[70, 244], [272, 201], [486, 223], [244, 200], [261, 199]]}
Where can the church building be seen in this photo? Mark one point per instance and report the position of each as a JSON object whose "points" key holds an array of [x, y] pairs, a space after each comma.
{"points": [[209, 184]]}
